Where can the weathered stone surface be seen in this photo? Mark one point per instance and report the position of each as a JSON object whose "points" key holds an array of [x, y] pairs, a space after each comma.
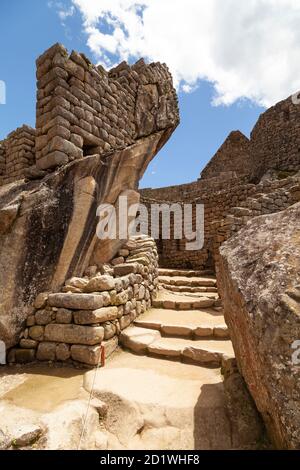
{"points": [[106, 298], [74, 334], [70, 415], [5, 441], [41, 300], [110, 330], [124, 269], [46, 351], [187, 410], [176, 330], [233, 155], [246, 423], [26, 434], [52, 160], [36, 333], [55, 238], [100, 283], [105, 250], [125, 321], [138, 339], [64, 315], [76, 301], [30, 320], [77, 282], [203, 332], [86, 354], [88, 317], [63, 352], [24, 355], [259, 281], [160, 348], [28, 343], [110, 346], [121, 298], [203, 356], [221, 332], [7, 216], [43, 317]]}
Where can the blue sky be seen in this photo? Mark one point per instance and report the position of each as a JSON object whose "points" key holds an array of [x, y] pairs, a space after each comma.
{"points": [[29, 27]]}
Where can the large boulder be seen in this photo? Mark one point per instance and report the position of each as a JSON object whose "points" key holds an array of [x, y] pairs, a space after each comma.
{"points": [[84, 158], [260, 287], [52, 236]]}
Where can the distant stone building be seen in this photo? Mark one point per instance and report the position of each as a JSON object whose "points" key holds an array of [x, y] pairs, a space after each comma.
{"points": [[232, 157], [236, 176]]}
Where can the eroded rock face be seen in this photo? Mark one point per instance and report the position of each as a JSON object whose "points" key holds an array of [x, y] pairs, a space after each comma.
{"points": [[49, 226], [260, 286], [96, 132]]}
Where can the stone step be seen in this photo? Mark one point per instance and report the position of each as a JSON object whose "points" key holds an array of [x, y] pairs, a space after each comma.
{"points": [[184, 292], [157, 404], [188, 281], [192, 324], [170, 300], [203, 352], [184, 272], [189, 289]]}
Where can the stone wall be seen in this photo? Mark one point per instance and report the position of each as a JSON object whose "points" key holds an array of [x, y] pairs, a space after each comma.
{"points": [[91, 311], [232, 156], [217, 196], [275, 139], [189, 191], [83, 109], [230, 178], [268, 197], [17, 154], [226, 210], [97, 131]]}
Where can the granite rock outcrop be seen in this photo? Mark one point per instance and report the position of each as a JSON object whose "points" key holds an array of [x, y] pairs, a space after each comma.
{"points": [[96, 132]]}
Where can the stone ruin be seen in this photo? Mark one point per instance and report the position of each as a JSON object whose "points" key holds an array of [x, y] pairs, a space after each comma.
{"points": [[67, 296], [245, 178], [251, 192], [96, 132], [17, 154]]}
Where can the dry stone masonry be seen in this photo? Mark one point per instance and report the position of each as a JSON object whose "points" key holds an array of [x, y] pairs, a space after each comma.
{"points": [[91, 311], [67, 296], [83, 110], [251, 193], [17, 154], [275, 141], [242, 171], [96, 132], [233, 156]]}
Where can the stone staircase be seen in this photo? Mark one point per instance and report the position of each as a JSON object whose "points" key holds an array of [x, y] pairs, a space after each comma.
{"points": [[185, 323], [165, 390]]}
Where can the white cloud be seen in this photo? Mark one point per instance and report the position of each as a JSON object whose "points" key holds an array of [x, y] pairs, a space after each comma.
{"points": [[246, 49], [61, 9], [63, 14]]}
